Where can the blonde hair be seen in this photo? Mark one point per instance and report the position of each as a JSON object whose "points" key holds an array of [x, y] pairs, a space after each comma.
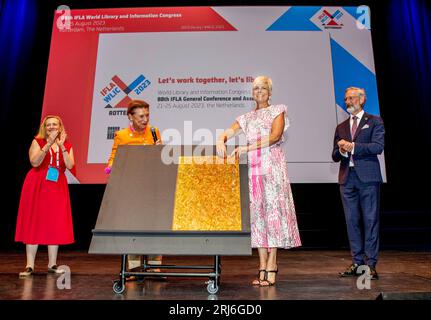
{"points": [[42, 129], [263, 79]]}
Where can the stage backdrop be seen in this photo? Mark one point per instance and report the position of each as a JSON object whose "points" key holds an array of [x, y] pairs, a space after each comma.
{"points": [[195, 67]]}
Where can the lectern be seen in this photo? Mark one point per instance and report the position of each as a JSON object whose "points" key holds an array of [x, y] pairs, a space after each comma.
{"points": [[174, 200]]}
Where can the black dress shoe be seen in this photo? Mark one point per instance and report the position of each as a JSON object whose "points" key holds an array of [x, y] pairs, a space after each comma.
{"points": [[351, 271], [373, 273]]}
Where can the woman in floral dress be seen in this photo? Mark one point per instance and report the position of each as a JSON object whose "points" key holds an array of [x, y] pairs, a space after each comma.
{"points": [[272, 211]]}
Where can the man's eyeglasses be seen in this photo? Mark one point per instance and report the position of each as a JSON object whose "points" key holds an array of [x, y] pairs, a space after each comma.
{"points": [[351, 98]]}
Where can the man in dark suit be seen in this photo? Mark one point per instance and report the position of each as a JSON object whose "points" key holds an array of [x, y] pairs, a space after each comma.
{"points": [[357, 142]]}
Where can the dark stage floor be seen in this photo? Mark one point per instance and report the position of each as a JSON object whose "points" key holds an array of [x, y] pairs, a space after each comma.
{"points": [[303, 275]]}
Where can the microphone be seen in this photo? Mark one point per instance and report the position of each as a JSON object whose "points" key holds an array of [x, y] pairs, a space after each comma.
{"points": [[153, 132]]}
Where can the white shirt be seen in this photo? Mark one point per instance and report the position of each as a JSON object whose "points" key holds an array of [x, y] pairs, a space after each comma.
{"points": [[359, 116]]}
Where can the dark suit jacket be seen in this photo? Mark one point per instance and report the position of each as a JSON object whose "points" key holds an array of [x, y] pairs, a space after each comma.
{"points": [[369, 142]]}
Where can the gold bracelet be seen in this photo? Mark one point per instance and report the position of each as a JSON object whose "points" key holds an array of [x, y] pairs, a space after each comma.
{"points": [[65, 150]]}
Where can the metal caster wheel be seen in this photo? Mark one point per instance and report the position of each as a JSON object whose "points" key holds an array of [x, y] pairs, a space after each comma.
{"points": [[118, 288], [212, 287]]}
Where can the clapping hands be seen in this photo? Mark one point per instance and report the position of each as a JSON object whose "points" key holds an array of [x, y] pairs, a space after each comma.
{"points": [[56, 137], [61, 137], [52, 137], [345, 146]]}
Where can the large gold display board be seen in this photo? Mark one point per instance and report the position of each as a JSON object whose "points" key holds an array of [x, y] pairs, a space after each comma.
{"points": [[210, 202], [207, 196]]}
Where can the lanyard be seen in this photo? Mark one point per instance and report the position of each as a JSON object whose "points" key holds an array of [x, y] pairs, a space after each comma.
{"points": [[57, 158]]}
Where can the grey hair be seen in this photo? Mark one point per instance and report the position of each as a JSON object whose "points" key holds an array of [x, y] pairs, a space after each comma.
{"points": [[361, 93]]}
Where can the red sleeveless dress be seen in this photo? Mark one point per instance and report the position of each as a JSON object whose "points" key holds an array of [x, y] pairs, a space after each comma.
{"points": [[44, 214]]}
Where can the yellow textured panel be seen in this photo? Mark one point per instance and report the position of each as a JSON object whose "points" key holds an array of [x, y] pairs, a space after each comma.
{"points": [[207, 195]]}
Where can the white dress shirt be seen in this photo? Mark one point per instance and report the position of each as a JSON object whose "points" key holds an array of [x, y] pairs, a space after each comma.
{"points": [[359, 116]]}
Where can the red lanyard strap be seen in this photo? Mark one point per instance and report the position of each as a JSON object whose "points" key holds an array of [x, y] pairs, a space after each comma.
{"points": [[56, 156]]}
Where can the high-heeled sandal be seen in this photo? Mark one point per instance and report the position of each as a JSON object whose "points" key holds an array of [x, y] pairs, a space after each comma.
{"points": [[258, 280], [266, 282], [26, 273], [55, 269]]}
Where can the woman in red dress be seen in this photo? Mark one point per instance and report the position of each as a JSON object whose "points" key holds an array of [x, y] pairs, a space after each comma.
{"points": [[44, 215]]}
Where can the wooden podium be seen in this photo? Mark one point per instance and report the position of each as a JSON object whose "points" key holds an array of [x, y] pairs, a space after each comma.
{"points": [[174, 200]]}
